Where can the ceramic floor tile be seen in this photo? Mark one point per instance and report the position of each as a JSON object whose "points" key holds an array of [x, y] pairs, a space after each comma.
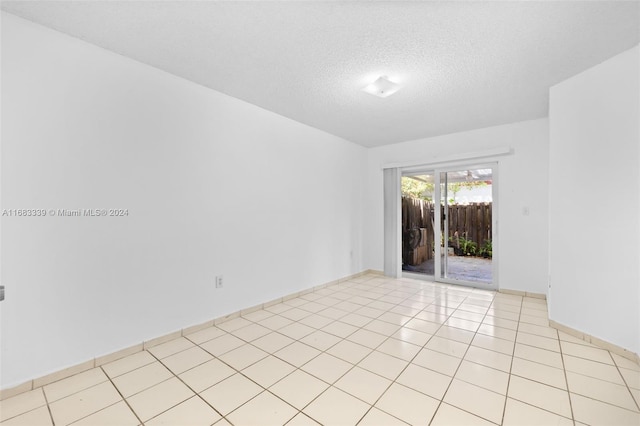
{"points": [[536, 320], [423, 380], [272, 342], [493, 344], [320, 340], [171, 347], [581, 351], [127, 364], [485, 377], [349, 351], [39, 416], [185, 360], [399, 349], [631, 377], [264, 409], [243, 356], [539, 373], [385, 328], [316, 321], [302, 419], [84, 403], [367, 338], [437, 361], [393, 318], [593, 369], [469, 316], [625, 363], [153, 401], [355, 320], [327, 367], [295, 314], [230, 393], [222, 344], [21, 403], [456, 334], [299, 388], [234, 324], [383, 364], [332, 313], [251, 332], [117, 414], [501, 322], [192, 412], [257, 316], [205, 335], [363, 384], [297, 353], [542, 356], [540, 395], [144, 377], [423, 326], [538, 341], [432, 317], [275, 322], [408, 405], [377, 417], [475, 400], [517, 413], [206, 375], [463, 324], [335, 407], [412, 336], [295, 302], [468, 306], [339, 329], [571, 339], [313, 307], [448, 415], [73, 384], [296, 330], [601, 390], [548, 332], [268, 371], [636, 395], [498, 332], [592, 412], [446, 346]]}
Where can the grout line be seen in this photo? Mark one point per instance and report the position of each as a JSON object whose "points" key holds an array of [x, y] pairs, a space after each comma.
{"points": [[513, 355], [46, 400], [624, 380], [184, 383]]}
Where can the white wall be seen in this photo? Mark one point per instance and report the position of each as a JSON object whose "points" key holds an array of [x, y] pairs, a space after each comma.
{"points": [[213, 185], [594, 249], [523, 251]]}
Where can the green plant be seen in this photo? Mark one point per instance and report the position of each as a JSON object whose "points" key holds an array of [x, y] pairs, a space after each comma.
{"points": [[468, 247], [463, 246], [487, 249]]}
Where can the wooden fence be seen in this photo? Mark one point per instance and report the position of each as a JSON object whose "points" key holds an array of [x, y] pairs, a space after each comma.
{"points": [[472, 221]]}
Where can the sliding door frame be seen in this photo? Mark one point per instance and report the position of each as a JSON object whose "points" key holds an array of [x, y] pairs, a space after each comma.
{"points": [[470, 163]]}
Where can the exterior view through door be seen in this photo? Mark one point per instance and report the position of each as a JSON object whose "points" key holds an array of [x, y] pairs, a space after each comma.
{"points": [[457, 230]]}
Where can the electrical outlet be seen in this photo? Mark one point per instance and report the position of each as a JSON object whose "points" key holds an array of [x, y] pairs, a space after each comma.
{"points": [[219, 282]]}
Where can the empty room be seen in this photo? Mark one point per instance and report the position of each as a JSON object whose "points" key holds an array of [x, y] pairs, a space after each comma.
{"points": [[320, 213]]}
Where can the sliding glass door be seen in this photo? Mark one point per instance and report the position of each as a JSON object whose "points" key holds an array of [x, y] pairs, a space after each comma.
{"points": [[448, 224]]}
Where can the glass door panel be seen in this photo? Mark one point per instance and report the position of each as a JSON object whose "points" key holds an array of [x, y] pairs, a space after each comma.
{"points": [[465, 206], [418, 223]]}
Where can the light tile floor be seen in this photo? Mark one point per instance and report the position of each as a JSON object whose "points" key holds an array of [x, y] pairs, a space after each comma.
{"points": [[369, 351]]}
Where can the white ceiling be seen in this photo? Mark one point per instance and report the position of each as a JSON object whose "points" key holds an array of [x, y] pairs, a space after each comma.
{"points": [[463, 65]]}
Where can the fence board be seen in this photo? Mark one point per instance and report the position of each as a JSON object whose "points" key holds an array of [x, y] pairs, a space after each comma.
{"points": [[472, 221]]}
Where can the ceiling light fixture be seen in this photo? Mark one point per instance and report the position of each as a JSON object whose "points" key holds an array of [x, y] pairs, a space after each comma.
{"points": [[382, 87]]}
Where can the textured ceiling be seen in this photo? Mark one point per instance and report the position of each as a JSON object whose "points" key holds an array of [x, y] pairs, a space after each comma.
{"points": [[463, 65]]}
